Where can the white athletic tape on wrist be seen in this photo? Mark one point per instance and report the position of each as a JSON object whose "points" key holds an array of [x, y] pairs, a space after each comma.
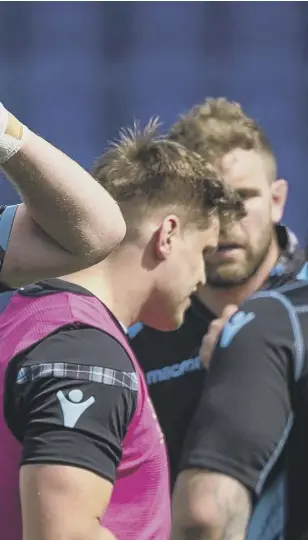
{"points": [[12, 135]]}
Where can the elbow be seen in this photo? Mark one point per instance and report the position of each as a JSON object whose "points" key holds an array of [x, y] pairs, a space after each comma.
{"points": [[203, 517], [118, 229], [200, 518], [196, 510], [99, 241], [206, 504]]}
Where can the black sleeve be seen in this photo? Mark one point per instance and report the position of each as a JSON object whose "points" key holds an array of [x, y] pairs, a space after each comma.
{"points": [[7, 216], [74, 396], [244, 415]]}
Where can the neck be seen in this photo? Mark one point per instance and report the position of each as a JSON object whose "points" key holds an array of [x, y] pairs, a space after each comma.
{"points": [[216, 299], [116, 282]]}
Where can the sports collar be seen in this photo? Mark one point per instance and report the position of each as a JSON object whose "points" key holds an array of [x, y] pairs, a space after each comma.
{"points": [[290, 261]]}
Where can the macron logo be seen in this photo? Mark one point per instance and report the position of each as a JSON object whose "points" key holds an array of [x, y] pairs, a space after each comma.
{"points": [[238, 321], [73, 407], [175, 370]]}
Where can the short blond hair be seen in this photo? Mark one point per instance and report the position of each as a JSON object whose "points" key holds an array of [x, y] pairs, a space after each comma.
{"points": [[144, 171], [217, 127]]}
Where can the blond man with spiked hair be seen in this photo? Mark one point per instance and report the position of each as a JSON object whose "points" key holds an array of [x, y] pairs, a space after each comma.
{"points": [[93, 456]]}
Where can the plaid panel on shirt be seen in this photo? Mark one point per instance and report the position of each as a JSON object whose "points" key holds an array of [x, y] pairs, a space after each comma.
{"points": [[63, 370]]}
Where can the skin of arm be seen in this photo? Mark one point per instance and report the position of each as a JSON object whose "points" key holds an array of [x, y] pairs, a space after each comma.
{"points": [[209, 506], [67, 219], [63, 502]]}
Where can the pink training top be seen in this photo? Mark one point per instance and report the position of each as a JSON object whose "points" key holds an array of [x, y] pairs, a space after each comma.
{"points": [[140, 505]]}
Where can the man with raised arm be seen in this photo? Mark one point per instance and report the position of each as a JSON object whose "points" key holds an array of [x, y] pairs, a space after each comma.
{"points": [[67, 221]]}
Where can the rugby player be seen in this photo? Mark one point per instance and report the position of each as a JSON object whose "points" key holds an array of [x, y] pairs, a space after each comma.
{"points": [[76, 403], [238, 480], [244, 465], [256, 253], [67, 221]]}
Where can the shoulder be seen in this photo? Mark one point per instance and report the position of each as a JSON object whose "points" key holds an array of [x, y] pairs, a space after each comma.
{"points": [[269, 310], [266, 327], [82, 346]]}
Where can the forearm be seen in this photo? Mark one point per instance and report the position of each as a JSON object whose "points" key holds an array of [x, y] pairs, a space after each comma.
{"points": [[186, 532], [203, 533], [65, 201], [189, 526]]}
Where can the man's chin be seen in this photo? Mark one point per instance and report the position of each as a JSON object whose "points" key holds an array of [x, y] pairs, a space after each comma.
{"points": [[228, 277], [227, 283], [224, 280]]}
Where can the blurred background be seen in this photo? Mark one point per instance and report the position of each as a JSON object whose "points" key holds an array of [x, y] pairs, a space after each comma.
{"points": [[77, 71]]}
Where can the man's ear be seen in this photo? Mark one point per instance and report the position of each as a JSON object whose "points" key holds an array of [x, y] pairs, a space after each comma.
{"points": [[279, 191], [166, 234]]}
